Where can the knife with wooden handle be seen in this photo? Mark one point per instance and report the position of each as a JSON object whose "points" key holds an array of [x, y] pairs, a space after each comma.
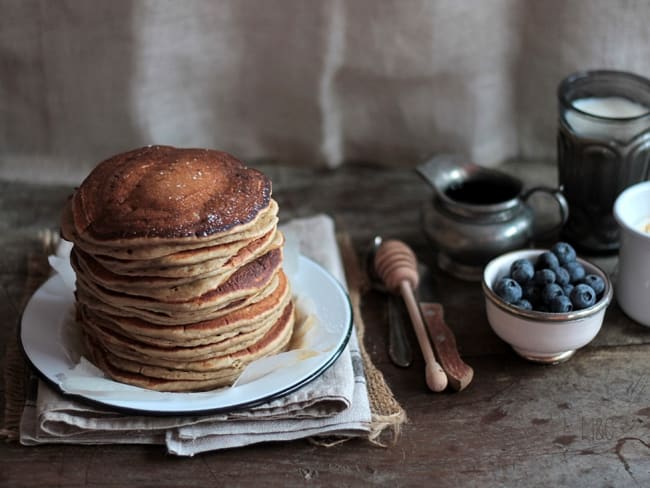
{"points": [[459, 373]]}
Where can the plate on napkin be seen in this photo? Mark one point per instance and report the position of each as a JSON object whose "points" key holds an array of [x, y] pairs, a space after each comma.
{"points": [[51, 342]]}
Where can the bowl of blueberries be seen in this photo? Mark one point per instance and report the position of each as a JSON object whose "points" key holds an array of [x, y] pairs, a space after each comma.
{"points": [[545, 303]]}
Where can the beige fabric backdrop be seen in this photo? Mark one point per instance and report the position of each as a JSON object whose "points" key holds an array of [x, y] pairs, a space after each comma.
{"points": [[317, 82]]}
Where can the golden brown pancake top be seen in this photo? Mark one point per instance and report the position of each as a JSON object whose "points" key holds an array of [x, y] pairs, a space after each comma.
{"points": [[168, 192]]}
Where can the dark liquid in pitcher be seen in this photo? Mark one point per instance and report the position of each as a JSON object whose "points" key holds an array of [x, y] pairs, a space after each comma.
{"points": [[483, 190]]}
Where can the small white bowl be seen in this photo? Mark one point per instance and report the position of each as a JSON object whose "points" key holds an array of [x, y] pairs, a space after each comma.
{"points": [[542, 337], [632, 213]]}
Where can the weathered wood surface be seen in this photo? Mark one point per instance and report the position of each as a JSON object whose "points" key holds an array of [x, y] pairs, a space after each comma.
{"points": [[582, 423]]}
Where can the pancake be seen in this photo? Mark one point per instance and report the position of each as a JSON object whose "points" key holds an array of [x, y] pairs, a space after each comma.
{"points": [[176, 318], [137, 249], [130, 348], [203, 332], [192, 262], [192, 375], [166, 288], [246, 281], [99, 357], [167, 193], [275, 339]]}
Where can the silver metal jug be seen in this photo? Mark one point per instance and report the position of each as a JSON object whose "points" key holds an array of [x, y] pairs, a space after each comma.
{"points": [[478, 213]]}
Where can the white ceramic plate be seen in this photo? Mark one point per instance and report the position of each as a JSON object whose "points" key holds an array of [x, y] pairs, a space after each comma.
{"points": [[51, 344]]}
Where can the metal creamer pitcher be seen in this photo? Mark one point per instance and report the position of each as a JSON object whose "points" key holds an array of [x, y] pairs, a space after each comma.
{"points": [[478, 213]]}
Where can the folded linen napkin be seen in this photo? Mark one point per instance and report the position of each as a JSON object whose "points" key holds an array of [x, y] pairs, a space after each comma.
{"points": [[335, 403]]}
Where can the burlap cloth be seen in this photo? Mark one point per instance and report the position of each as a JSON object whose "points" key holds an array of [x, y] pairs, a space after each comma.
{"points": [[351, 399]]}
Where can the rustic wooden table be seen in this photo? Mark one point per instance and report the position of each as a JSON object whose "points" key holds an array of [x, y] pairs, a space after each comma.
{"points": [[585, 422]]}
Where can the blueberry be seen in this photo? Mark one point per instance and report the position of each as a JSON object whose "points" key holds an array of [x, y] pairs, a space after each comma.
{"points": [[561, 276], [582, 296], [547, 260], [508, 289], [596, 282], [544, 277], [551, 291], [524, 304], [560, 304], [567, 289], [576, 271], [564, 252], [522, 270], [532, 292]]}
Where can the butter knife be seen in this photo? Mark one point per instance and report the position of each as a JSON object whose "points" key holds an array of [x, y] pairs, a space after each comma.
{"points": [[399, 346], [459, 373]]}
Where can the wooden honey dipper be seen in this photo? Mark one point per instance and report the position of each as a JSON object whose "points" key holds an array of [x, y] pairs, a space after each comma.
{"points": [[396, 265]]}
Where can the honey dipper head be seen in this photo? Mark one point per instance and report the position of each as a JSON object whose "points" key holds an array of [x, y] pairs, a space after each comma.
{"points": [[395, 262]]}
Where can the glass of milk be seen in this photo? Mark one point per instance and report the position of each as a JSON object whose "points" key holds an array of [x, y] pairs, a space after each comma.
{"points": [[603, 147]]}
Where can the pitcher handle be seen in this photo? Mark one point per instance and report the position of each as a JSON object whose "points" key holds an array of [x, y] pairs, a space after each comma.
{"points": [[563, 206]]}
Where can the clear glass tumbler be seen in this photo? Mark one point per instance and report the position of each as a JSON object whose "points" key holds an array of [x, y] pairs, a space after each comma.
{"points": [[603, 147]]}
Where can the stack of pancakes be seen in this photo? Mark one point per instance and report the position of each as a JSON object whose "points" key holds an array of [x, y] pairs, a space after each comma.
{"points": [[179, 268]]}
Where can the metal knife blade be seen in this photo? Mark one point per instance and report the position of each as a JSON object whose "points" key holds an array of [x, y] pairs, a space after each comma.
{"points": [[399, 345]]}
